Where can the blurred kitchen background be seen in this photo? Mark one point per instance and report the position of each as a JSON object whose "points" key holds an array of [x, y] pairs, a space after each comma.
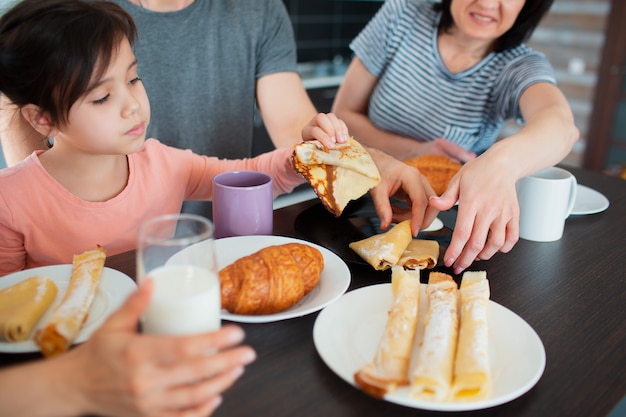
{"points": [[584, 39]]}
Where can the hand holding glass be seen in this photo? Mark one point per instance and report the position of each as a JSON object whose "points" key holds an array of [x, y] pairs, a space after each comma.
{"points": [[177, 253]]}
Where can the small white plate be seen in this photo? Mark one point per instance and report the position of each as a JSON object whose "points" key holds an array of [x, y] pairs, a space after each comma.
{"points": [[346, 336], [589, 201], [112, 291], [334, 280], [437, 224]]}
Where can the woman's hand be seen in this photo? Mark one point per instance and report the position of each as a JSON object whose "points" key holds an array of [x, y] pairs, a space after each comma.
{"points": [[441, 146], [488, 214]]}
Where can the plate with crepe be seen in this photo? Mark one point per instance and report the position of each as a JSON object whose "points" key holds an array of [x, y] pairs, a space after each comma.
{"points": [[334, 279], [346, 336], [589, 201], [113, 289]]}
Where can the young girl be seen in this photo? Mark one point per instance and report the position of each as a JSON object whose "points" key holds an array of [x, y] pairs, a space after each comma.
{"points": [[68, 65]]}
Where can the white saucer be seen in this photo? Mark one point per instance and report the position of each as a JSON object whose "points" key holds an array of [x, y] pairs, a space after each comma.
{"points": [[589, 201]]}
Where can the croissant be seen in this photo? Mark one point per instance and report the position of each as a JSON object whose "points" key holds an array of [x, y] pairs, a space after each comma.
{"points": [[270, 280]]}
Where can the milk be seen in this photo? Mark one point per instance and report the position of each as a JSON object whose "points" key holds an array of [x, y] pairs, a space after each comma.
{"points": [[185, 300]]}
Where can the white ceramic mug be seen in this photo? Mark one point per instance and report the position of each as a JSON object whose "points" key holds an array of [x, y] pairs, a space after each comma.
{"points": [[546, 198]]}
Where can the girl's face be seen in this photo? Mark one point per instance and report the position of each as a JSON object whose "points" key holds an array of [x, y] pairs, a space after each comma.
{"points": [[111, 117], [485, 20]]}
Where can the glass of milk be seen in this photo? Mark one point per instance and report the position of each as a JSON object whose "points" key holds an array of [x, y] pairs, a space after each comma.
{"points": [[177, 252]]}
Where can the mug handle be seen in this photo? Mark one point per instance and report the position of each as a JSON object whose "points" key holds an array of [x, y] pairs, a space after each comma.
{"points": [[572, 196]]}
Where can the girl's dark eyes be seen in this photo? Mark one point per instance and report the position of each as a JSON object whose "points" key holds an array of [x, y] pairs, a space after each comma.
{"points": [[105, 98], [101, 100]]}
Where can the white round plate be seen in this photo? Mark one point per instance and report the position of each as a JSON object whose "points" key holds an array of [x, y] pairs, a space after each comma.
{"points": [[334, 280], [346, 336], [589, 201], [112, 291]]}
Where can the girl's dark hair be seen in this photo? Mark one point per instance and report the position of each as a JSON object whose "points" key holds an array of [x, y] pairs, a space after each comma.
{"points": [[526, 22], [50, 50]]}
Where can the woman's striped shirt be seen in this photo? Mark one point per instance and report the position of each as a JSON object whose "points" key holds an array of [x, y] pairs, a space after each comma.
{"points": [[417, 96]]}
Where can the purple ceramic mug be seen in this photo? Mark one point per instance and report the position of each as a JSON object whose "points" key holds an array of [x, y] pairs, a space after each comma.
{"points": [[242, 204]]}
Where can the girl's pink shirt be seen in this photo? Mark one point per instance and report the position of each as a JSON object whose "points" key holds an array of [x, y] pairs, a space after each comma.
{"points": [[42, 223]]}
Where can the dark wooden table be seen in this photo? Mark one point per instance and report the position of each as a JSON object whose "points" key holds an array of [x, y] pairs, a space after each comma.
{"points": [[572, 292]]}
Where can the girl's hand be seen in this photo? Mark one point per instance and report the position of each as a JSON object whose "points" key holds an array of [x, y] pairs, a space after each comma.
{"points": [[326, 128]]}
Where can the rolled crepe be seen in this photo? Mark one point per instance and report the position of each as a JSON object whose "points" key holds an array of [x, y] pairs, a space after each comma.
{"points": [[62, 327], [383, 250], [432, 376], [23, 304], [420, 254], [336, 175], [472, 380], [390, 366]]}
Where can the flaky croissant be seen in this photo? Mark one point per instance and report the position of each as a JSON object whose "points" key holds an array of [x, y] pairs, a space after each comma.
{"points": [[270, 280]]}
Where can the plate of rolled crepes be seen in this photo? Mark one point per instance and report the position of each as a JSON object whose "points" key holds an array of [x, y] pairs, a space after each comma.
{"points": [[50, 308], [272, 278], [430, 346]]}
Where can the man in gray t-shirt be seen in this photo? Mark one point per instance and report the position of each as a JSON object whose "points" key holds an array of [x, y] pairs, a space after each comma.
{"points": [[213, 52]]}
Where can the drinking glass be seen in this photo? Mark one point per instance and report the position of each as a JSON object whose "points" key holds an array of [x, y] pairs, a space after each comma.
{"points": [[177, 253]]}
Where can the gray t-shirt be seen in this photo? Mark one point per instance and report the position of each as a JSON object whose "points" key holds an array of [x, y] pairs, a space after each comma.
{"points": [[200, 66]]}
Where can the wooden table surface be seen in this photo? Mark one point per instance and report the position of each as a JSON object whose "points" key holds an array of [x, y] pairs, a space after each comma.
{"points": [[572, 292]]}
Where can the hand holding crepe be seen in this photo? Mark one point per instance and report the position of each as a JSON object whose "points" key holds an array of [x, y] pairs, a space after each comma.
{"points": [[62, 327], [472, 379], [390, 367], [432, 376], [383, 250], [270, 280], [437, 169], [23, 304], [336, 175]]}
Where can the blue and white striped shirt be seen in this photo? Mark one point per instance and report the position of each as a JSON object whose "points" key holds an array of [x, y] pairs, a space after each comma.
{"points": [[417, 96]]}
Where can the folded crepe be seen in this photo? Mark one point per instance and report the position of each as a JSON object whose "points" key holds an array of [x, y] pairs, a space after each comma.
{"points": [[337, 175], [431, 379], [420, 254], [384, 250], [390, 365], [62, 327], [472, 379], [23, 304]]}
